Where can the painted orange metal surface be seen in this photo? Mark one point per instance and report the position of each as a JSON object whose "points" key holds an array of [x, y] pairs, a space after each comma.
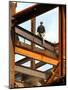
{"points": [[36, 56]]}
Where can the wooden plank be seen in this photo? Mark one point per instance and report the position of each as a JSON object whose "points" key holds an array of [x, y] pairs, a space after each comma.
{"points": [[33, 11], [33, 38], [36, 56], [36, 49], [30, 72]]}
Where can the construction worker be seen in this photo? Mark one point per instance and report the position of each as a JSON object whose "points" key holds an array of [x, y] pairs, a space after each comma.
{"points": [[41, 31]]}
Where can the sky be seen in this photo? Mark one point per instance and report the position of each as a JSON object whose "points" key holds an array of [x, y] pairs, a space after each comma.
{"points": [[50, 22]]}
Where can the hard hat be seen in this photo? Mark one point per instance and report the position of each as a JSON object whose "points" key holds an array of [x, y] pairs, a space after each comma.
{"points": [[41, 22]]}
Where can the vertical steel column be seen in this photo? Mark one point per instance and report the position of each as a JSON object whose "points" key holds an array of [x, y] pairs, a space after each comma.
{"points": [[33, 28], [63, 11], [61, 38], [12, 10]]}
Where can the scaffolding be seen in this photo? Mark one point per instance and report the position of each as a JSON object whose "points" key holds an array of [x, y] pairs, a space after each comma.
{"points": [[21, 76]]}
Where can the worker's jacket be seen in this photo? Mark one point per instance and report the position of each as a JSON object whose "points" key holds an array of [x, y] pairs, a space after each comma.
{"points": [[41, 29]]}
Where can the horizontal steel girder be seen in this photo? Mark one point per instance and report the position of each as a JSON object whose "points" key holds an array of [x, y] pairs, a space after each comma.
{"points": [[30, 72], [36, 56], [36, 49], [33, 11], [34, 38]]}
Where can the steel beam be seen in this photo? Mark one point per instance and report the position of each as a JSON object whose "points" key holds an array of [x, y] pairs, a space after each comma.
{"points": [[36, 56], [36, 49], [22, 61], [30, 72], [33, 29], [33, 38], [33, 11], [51, 78], [26, 77], [62, 30], [63, 48], [40, 64], [12, 10]]}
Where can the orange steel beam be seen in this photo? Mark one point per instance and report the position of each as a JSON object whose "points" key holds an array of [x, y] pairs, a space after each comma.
{"points": [[36, 49], [36, 56]]}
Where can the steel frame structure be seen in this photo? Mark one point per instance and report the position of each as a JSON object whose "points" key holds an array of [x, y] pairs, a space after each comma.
{"points": [[45, 56]]}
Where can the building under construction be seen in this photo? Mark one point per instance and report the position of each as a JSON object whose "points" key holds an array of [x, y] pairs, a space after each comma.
{"points": [[21, 76]]}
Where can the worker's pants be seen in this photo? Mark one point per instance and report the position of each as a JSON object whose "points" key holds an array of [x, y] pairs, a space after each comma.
{"points": [[42, 36]]}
